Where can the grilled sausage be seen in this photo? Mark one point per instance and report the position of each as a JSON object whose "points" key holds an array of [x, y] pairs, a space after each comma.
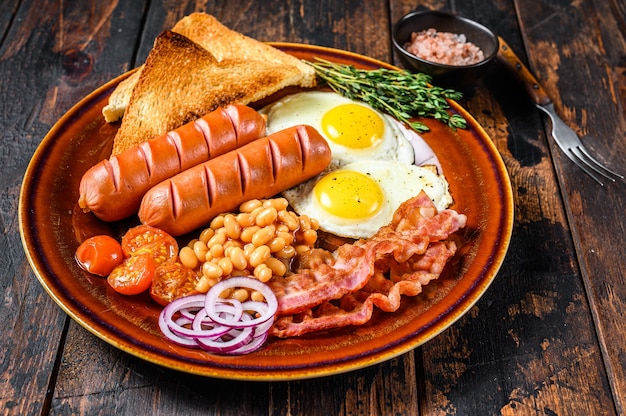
{"points": [[112, 189], [260, 169]]}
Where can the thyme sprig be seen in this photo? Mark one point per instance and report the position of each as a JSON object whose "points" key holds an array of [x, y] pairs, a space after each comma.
{"points": [[402, 94]]}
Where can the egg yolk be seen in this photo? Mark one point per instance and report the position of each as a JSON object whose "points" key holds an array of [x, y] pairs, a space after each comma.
{"points": [[349, 194], [353, 126]]}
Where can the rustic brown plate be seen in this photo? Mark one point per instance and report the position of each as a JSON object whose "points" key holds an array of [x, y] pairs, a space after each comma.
{"points": [[52, 226]]}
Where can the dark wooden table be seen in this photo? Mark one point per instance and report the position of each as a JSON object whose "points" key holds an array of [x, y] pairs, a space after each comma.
{"points": [[547, 338]]}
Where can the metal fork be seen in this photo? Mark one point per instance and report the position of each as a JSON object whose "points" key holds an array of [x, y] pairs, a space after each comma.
{"points": [[573, 148], [564, 136]]}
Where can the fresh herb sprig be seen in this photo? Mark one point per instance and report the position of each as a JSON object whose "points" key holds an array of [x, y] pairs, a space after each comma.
{"points": [[400, 93]]}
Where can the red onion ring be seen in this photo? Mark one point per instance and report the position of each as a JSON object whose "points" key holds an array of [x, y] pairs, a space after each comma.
{"points": [[252, 346]]}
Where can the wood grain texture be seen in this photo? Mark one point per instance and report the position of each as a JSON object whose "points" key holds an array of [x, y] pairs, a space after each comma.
{"points": [[538, 326], [47, 60], [547, 338], [586, 76]]}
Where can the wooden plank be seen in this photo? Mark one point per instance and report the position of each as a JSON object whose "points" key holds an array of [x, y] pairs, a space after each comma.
{"points": [[43, 76], [585, 76], [529, 345]]}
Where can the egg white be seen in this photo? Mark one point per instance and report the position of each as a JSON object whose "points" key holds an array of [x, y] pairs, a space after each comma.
{"points": [[310, 106], [398, 181]]}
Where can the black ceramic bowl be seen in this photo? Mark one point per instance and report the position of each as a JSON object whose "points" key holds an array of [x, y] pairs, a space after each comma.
{"points": [[450, 76]]}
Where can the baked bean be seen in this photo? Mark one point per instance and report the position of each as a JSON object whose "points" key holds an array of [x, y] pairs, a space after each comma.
{"points": [[203, 285], [213, 281], [211, 270], [302, 248], [206, 234], [248, 249], [264, 235], [277, 244], [282, 228], [240, 294], [279, 203], [245, 219], [256, 211], [278, 267], [263, 273], [309, 237], [257, 296], [287, 236], [286, 253], [217, 222], [248, 232], [232, 226], [200, 249], [226, 293], [266, 216], [244, 272], [218, 238], [259, 255], [289, 220], [260, 240], [217, 250], [233, 243], [305, 222], [226, 265], [238, 258], [188, 257], [249, 206]]}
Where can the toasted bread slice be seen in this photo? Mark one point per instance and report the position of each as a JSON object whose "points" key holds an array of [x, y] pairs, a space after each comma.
{"points": [[162, 96], [224, 44], [119, 98], [182, 81]]}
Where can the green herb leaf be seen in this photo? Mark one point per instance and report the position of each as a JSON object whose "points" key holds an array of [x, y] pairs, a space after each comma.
{"points": [[400, 93]]}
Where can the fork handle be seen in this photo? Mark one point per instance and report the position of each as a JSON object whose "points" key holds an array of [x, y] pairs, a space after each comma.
{"points": [[512, 62]]}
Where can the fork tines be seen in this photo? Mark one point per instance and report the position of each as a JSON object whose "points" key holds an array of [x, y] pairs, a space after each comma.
{"points": [[595, 169]]}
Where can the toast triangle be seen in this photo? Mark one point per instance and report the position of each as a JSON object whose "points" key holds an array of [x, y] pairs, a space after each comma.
{"points": [[224, 44], [181, 81]]}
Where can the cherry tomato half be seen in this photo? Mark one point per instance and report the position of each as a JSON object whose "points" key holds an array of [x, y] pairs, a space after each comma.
{"points": [[99, 255], [171, 281], [145, 239], [134, 275]]}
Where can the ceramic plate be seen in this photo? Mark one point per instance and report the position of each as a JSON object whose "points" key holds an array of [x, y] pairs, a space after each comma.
{"points": [[52, 226]]}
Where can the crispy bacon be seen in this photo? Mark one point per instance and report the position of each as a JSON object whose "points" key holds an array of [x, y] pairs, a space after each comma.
{"points": [[332, 290]]}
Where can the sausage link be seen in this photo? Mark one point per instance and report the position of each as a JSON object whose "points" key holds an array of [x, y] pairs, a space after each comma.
{"points": [[260, 169], [112, 189]]}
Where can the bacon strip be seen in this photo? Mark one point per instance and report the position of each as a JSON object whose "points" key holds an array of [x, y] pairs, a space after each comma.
{"points": [[339, 289]]}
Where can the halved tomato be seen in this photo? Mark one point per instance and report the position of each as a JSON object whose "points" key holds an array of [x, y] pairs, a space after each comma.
{"points": [[171, 281], [150, 240], [134, 275], [99, 254]]}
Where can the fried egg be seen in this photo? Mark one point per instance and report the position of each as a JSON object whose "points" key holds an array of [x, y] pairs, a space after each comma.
{"points": [[358, 198], [354, 130]]}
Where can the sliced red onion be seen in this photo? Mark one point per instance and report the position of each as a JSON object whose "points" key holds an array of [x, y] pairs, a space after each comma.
{"points": [[224, 326], [424, 154]]}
